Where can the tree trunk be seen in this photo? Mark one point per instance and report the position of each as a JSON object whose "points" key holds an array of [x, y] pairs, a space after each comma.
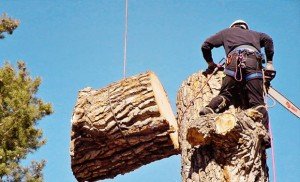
{"points": [[121, 127], [229, 146]]}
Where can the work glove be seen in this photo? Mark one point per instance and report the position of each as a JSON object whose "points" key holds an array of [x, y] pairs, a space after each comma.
{"points": [[269, 66], [269, 73]]}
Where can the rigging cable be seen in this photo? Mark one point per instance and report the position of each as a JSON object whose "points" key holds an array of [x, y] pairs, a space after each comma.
{"points": [[125, 39]]}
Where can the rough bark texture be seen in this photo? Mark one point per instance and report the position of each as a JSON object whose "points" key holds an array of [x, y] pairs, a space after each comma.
{"points": [[229, 146], [121, 127]]}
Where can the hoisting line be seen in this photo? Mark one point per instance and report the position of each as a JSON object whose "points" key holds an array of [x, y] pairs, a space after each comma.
{"points": [[125, 39]]}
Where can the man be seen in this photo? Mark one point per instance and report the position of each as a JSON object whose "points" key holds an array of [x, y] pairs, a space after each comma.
{"points": [[243, 66]]}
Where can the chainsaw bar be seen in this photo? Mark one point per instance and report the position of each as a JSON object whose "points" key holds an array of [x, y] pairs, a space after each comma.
{"points": [[284, 101]]}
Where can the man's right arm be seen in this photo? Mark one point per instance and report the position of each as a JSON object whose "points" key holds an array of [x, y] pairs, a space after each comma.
{"points": [[213, 41]]}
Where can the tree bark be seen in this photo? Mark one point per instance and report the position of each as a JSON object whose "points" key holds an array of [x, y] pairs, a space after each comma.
{"points": [[229, 146], [121, 127]]}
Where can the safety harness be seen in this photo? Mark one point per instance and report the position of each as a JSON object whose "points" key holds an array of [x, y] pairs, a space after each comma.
{"points": [[240, 54]]}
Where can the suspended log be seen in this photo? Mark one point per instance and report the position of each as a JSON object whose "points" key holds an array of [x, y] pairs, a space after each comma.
{"points": [[121, 127], [229, 146]]}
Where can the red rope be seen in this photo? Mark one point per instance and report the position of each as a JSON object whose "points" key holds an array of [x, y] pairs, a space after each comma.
{"points": [[270, 129], [272, 152]]}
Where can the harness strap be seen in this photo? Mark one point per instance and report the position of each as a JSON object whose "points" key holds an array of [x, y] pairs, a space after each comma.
{"points": [[247, 78], [253, 76], [229, 72]]}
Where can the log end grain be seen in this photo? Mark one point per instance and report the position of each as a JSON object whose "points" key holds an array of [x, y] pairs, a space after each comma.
{"points": [[224, 123], [165, 108]]}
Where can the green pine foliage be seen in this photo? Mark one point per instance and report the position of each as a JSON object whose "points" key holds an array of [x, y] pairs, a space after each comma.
{"points": [[20, 111], [7, 25]]}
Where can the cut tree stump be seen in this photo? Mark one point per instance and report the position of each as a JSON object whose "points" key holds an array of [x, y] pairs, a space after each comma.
{"points": [[229, 146], [121, 127]]}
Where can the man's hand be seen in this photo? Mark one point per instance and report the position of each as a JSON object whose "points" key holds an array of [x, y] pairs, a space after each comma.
{"points": [[211, 67], [269, 73]]}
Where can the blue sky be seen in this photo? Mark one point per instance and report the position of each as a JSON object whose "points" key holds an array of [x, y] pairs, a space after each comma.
{"points": [[75, 44]]}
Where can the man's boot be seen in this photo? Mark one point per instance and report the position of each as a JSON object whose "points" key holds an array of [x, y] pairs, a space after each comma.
{"points": [[206, 110], [216, 105]]}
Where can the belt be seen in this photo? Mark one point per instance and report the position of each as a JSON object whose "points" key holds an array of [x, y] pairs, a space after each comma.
{"points": [[248, 48]]}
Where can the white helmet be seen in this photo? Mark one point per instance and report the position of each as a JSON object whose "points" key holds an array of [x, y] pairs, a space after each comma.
{"points": [[241, 23]]}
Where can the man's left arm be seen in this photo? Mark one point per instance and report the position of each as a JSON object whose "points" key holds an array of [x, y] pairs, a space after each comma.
{"points": [[267, 42]]}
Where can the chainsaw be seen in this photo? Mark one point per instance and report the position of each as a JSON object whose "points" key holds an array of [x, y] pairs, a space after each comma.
{"points": [[284, 101], [269, 75]]}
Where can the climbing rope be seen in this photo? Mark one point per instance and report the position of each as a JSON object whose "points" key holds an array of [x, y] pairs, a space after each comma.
{"points": [[125, 39], [238, 67], [272, 152], [265, 94], [273, 102]]}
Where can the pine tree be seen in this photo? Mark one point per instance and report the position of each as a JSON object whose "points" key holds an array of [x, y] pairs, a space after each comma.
{"points": [[8, 25], [20, 110]]}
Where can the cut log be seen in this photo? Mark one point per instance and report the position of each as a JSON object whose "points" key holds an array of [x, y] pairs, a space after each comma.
{"points": [[121, 127], [229, 146]]}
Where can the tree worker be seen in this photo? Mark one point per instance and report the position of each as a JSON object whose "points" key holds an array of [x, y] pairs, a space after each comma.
{"points": [[243, 67]]}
